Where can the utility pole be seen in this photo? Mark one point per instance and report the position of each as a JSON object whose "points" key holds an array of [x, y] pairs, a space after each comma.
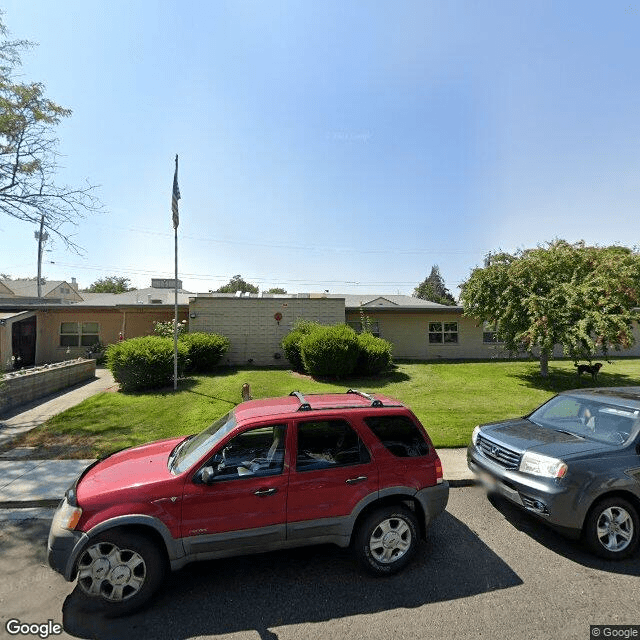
{"points": [[41, 236]]}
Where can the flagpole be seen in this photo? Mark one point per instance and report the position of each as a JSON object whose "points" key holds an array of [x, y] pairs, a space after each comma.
{"points": [[175, 196], [175, 317]]}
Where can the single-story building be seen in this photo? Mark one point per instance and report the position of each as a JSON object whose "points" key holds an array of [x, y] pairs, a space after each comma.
{"points": [[41, 331]]}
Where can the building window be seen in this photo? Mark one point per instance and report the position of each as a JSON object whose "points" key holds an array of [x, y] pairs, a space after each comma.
{"points": [[79, 334], [443, 333], [374, 327], [490, 333]]}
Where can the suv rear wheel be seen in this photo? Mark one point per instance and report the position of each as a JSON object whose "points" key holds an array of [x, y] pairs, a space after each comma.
{"points": [[120, 571], [387, 540], [612, 528]]}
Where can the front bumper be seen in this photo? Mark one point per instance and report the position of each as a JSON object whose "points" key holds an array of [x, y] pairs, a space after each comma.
{"points": [[63, 547], [554, 501]]}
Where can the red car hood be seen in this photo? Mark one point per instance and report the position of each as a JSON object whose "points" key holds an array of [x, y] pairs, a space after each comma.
{"points": [[137, 474]]}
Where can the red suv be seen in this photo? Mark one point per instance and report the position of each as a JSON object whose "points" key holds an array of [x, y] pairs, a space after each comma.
{"points": [[271, 474]]}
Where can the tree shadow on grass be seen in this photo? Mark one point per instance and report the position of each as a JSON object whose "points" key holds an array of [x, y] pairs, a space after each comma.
{"points": [[562, 380], [311, 585]]}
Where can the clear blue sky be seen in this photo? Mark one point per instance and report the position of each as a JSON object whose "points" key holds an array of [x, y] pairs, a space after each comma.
{"points": [[333, 145]]}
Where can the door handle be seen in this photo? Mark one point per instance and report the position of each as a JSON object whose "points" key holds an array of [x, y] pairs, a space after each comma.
{"points": [[356, 480], [265, 492]]}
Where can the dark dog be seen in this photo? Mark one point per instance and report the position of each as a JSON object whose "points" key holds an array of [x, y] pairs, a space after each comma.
{"points": [[588, 368]]}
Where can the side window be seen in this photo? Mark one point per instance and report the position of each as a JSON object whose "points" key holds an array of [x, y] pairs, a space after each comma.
{"points": [[328, 443], [399, 434], [254, 453]]}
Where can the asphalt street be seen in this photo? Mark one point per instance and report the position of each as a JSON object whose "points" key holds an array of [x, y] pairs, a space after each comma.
{"points": [[486, 571]]}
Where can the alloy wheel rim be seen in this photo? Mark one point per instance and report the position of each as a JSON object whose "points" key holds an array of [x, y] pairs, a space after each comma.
{"points": [[614, 529], [390, 540], [112, 573]]}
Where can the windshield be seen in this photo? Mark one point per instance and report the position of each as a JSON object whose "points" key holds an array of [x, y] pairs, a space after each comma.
{"points": [[189, 451], [589, 418]]}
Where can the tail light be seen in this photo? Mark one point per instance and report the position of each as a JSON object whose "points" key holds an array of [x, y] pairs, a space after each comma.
{"points": [[438, 471]]}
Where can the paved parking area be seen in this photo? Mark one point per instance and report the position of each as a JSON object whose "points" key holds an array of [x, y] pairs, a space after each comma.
{"points": [[487, 571]]}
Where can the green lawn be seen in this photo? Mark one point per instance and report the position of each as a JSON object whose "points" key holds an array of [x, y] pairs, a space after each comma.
{"points": [[449, 398]]}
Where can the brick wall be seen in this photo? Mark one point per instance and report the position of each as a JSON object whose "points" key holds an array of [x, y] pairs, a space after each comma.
{"points": [[251, 327]]}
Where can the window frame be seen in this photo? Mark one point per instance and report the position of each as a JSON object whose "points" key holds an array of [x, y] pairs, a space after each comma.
{"points": [[491, 329], [212, 461], [79, 333], [442, 332], [363, 448]]}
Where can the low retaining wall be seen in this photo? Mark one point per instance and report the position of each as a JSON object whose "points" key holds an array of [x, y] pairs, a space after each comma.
{"points": [[20, 388]]}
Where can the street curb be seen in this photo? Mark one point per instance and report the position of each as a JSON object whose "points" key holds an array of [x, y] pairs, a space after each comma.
{"points": [[466, 482], [30, 504]]}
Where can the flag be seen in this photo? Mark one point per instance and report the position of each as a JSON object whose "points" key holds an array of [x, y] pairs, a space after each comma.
{"points": [[175, 197]]}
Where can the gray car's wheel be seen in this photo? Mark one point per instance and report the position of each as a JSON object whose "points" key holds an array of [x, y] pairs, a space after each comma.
{"points": [[386, 540], [120, 571], [612, 528]]}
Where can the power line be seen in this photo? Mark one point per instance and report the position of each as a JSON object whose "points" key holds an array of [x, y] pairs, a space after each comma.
{"points": [[260, 279], [273, 245]]}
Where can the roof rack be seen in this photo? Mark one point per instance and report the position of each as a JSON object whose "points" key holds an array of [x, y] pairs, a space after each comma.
{"points": [[304, 405], [374, 401]]}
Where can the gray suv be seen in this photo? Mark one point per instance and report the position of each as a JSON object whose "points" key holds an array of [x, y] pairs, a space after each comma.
{"points": [[574, 462]]}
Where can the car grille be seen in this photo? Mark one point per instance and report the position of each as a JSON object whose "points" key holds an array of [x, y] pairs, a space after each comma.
{"points": [[505, 457]]}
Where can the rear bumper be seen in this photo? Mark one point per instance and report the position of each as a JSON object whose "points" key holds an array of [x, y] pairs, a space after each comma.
{"points": [[552, 501], [433, 500]]}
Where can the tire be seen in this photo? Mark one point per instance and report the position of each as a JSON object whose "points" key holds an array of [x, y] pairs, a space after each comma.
{"points": [[612, 528], [119, 572], [387, 540]]}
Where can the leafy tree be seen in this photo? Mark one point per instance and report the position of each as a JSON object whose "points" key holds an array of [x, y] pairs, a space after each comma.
{"points": [[433, 288], [279, 290], [110, 284], [572, 295], [237, 284], [28, 150]]}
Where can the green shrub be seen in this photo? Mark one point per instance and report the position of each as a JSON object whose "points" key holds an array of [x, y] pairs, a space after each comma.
{"points": [[374, 356], [330, 351], [291, 342], [204, 350], [145, 363]]}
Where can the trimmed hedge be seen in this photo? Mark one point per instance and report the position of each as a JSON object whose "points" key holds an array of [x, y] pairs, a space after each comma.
{"points": [[330, 351], [375, 355], [145, 363], [204, 350], [291, 343]]}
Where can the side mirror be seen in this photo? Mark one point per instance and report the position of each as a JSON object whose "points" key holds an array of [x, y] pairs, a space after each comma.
{"points": [[207, 475]]}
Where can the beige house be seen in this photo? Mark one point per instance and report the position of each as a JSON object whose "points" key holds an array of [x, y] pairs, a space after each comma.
{"points": [[41, 331], [50, 290]]}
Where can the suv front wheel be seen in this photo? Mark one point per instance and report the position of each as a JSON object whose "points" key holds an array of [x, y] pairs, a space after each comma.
{"points": [[387, 540], [612, 528], [119, 571]]}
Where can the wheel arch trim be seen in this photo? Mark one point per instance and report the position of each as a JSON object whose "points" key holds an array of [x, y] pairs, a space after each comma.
{"points": [[173, 548]]}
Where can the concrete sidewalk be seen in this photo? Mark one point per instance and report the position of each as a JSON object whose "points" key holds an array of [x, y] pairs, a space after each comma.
{"points": [[41, 483], [29, 416], [31, 488]]}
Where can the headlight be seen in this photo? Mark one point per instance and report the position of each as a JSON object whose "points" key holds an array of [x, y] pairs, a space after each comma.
{"points": [[539, 465], [66, 517], [474, 436]]}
